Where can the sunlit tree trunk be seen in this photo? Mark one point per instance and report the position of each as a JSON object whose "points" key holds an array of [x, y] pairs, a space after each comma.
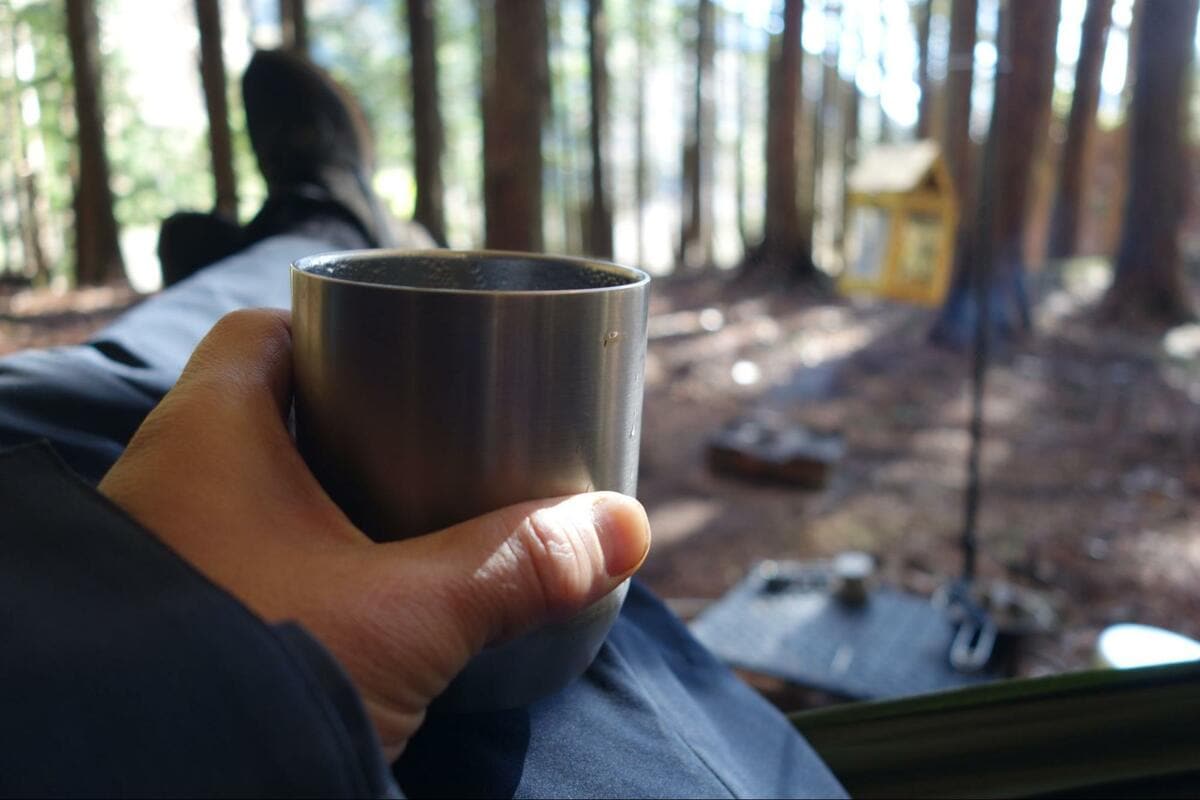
{"points": [[642, 43], [1064, 221], [851, 100], [600, 210], [785, 251], [30, 219], [1028, 33], [564, 159], [212, 76], [738, 23], [886, 133], [428, 132], [516, 94], [951, 327], [924, 12], [293, 25], [97, 252], [1148, 284], [696, 240], [828, 117]]}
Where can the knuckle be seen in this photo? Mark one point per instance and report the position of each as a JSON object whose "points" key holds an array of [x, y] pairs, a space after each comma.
{"points": [[558, 560], [243, 320]]}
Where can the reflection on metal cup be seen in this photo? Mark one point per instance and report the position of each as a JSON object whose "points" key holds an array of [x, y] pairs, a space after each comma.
{"points": [[435, 386]]}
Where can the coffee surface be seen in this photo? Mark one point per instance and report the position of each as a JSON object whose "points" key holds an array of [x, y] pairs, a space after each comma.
{"points": [[471, 273]]}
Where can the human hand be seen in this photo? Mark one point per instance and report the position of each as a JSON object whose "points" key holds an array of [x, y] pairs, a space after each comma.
{"points": [[214, 473]]}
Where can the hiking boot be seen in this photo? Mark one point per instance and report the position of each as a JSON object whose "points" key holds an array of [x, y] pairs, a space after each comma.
{"points": [[312, 144], [189, 240]]}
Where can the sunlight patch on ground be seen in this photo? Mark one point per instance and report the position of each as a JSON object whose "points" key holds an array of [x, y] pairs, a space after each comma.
{"points": [[1083, 282], [1169, 558], [677, 520]]}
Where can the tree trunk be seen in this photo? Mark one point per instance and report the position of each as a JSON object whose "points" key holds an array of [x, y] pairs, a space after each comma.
{"points": [[785, 250], [428, 131], [830, 109], [212, 76], [642, 41], [97, 252], [1020, 120], [924, 13], [517, 87], [851, 101], [563, 161], [1132, 42], [738, 21], [886, 132], [1148, 284], [600, 224], [960, 76], [1025, 107], [29, 220], [293, 25], [1064, 220], [1113, 218], [696, 240]]}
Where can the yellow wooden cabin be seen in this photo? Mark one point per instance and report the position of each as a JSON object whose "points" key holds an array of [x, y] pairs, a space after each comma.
{"points": [[902, 213]]}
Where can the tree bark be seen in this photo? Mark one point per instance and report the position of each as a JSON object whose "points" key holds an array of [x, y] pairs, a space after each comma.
{"points": [[1064, 220], [785, 250], [1148, 284], [829, 117], [642, 41], [1020, 121], [738, 22], [517, 88], [960, 76], [924, 13], [293, 25], [428, 131], [1024, 101], [851, 100], [600, 224], [886, 133], [97, 252], [30, 221], [696, 242], [212, 77], [563, 161]]}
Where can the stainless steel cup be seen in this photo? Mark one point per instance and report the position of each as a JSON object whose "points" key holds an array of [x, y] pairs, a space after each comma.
{"points": [[434, 386]]}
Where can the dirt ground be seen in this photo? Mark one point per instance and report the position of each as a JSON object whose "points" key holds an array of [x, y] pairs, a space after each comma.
{"points": [[1091, 471]]}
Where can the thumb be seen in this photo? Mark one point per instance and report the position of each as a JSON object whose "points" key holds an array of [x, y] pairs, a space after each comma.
{"points": [[512, 570], [440, 598]]}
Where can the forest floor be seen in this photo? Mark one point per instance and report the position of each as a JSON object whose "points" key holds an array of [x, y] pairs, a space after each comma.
{"points": [[1091, 468]]}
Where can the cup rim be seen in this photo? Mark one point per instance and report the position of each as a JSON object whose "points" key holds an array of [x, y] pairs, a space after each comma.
{"points": [[301, 266]]}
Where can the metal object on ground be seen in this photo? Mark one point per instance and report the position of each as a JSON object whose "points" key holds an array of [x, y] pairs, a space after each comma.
{"points": [[852, 572], [434, 386], [974, 638], [770, 448], [783, 620], [985, 612]]}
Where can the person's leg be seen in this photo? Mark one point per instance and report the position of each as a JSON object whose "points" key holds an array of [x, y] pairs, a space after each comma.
{"points": [[314, 151], [656, 715]]}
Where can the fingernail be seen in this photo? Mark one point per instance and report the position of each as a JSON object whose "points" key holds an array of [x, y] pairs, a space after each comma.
{"points": [[624, 533]]}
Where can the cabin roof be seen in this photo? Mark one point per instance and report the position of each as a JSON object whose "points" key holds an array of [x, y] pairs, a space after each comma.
{"points": [[893, 168]]}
